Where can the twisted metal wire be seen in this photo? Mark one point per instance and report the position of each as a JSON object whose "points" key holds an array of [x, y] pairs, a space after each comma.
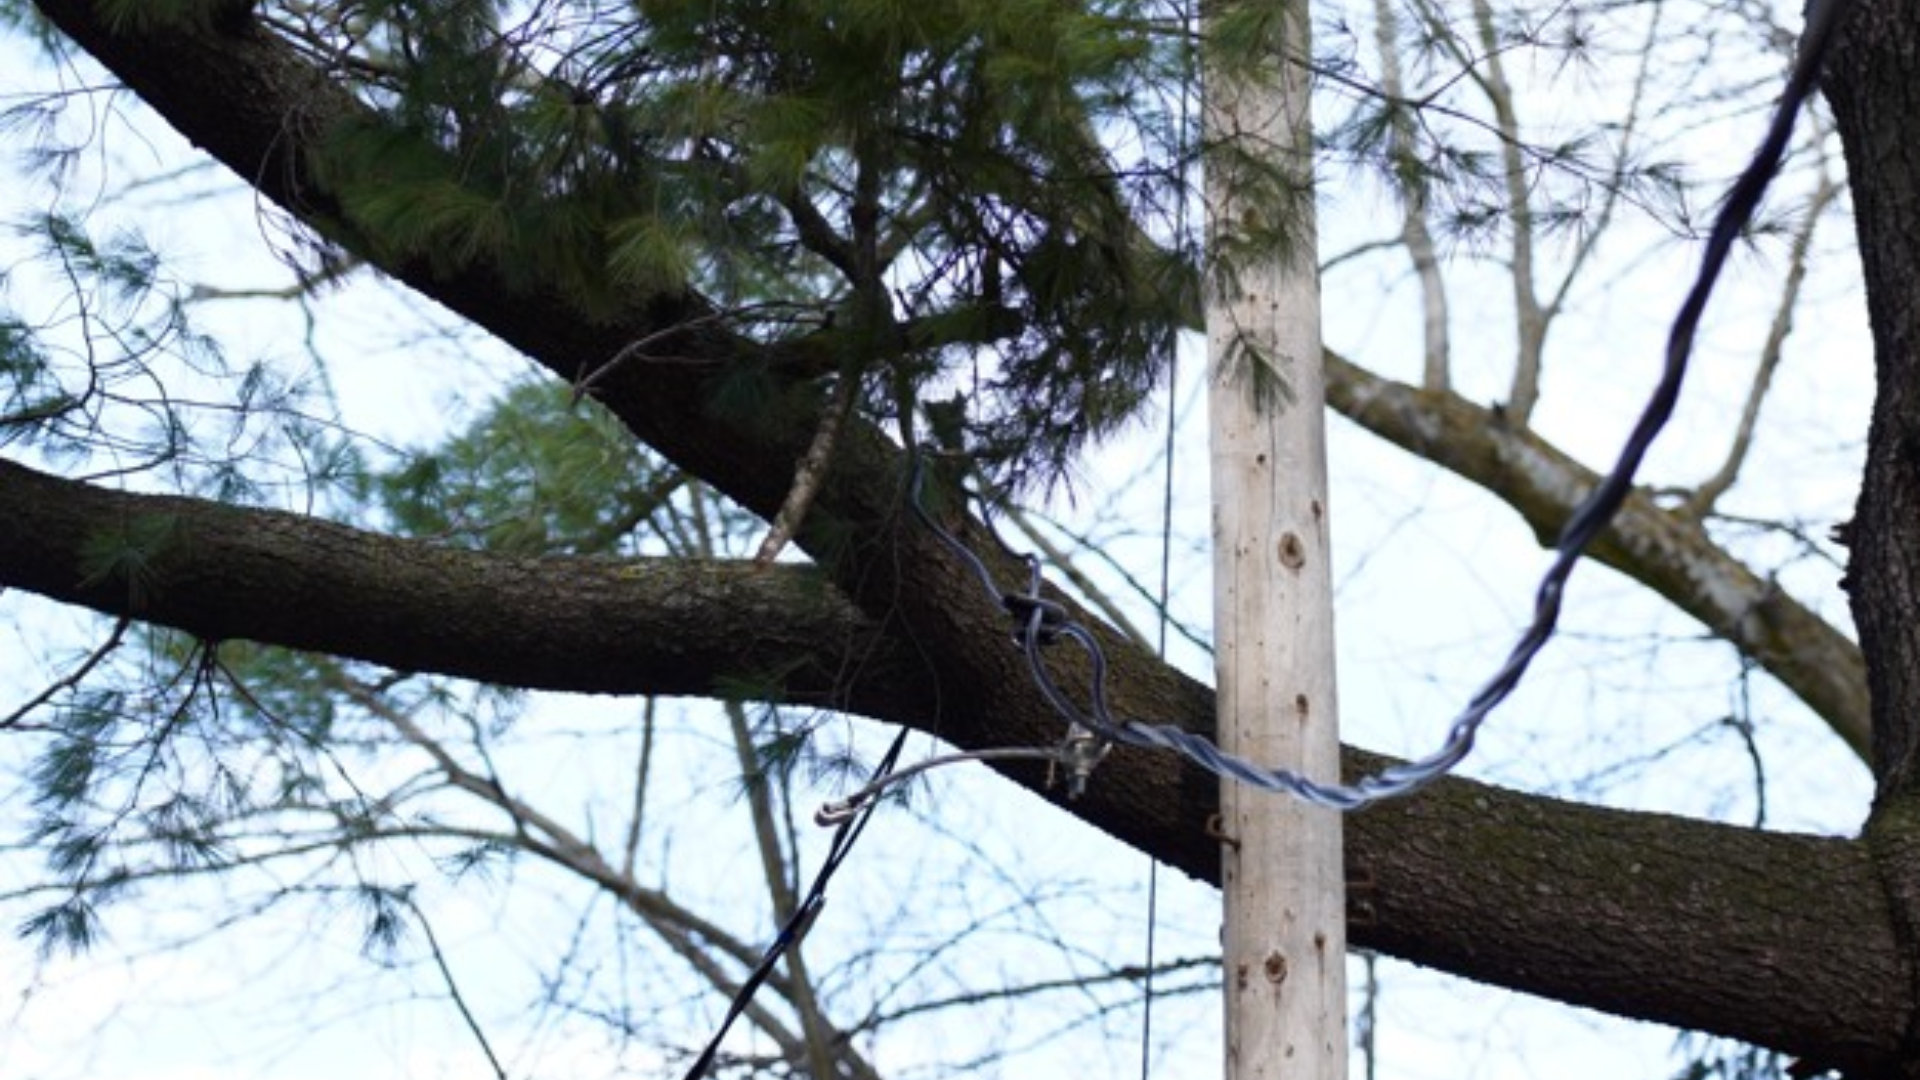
{"points": [[1040, 622]]}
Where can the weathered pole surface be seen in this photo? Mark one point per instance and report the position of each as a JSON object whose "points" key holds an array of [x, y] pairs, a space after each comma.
{"points": [[1284, 944]]}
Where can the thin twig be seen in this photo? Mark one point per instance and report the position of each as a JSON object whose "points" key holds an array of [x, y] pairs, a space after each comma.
{"points": [[810, 473], [1531, 321], [588, 380], [70, 680], [453, 987], [1702, 501], [1062, 562], [1414, 232], [643, 771]]}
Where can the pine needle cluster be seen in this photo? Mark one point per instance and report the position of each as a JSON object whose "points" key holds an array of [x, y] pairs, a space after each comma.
{"points": [[969, 194]]}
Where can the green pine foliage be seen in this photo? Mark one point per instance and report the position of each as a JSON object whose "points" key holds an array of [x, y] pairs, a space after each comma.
{"points": [[537, 475], [137, 15], [989, 195], [130, 555], [32, 396], [923, 188], [120, 376], [71, 926], [180, 757]]}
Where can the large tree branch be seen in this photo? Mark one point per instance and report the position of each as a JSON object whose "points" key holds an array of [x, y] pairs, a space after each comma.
{"points": [[649, 626], [1649, 916], [1670, 553], [1681, 921], [259, 107]]}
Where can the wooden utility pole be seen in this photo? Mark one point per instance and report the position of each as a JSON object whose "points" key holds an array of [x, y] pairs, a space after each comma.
{"points": [[1284, 944]]}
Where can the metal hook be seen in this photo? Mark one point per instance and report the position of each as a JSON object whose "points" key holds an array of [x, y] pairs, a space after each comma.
{"points": [[1079, 753], [1077, 762]]}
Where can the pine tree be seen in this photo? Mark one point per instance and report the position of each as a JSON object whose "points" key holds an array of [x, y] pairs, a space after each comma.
{"points": [[731, 233]]}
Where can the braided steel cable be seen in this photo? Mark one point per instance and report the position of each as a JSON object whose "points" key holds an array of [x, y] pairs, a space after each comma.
{"points": [[1040, 622]]}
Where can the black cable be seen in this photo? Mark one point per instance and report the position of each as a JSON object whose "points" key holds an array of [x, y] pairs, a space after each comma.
{"points": [[803, 912]]}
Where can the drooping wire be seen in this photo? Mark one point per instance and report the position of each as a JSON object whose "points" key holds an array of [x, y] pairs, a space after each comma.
{"points": [[1187, 107], [1040, 622], [1164, 598], [803, 913]]}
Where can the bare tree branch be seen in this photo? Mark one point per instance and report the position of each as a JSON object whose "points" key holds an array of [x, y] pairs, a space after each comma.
{"points": [[1668, 552], [1402, 153], [1702, 500]]}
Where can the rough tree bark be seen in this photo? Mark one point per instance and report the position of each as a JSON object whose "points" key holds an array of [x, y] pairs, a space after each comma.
{"points": [[1877, 77], [1873, 83], [1787, 941]]}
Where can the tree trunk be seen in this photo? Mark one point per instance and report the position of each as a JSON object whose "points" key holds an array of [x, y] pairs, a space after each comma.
{"points": [[1873, 83]]}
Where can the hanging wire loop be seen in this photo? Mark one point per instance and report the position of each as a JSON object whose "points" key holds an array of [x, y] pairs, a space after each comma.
{"points": [[1093, 729]]}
